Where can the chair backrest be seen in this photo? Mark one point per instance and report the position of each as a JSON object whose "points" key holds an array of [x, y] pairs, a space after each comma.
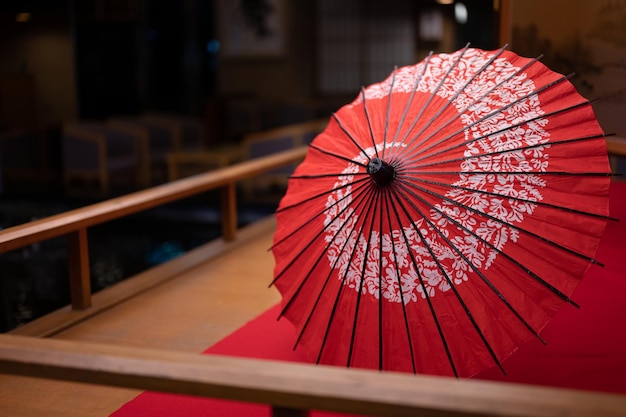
{"points": [[191, 132], [83, 143], [160, 139], [279, 139]]}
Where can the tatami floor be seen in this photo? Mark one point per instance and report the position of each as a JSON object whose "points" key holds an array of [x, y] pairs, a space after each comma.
{"points": [[188, 313]]}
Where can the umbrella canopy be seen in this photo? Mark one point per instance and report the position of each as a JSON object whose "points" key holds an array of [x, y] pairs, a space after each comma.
{"points": [[443, 217]]}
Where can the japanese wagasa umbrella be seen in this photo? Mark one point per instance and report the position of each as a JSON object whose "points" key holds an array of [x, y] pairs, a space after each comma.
{"points": [[443, 217]]}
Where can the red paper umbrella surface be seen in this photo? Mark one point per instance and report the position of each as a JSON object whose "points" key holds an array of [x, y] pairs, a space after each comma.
{"points": [[443, 216]]}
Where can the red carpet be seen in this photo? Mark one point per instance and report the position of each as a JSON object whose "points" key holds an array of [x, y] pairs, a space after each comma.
{"points": [[586, 347]]}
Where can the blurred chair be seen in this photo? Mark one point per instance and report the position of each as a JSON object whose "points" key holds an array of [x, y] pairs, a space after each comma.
{"points": [[99, 159], [189, 133], [155, 140], [239, 115], [255, 145], [31, 160], [187, 163], [161, 135]]}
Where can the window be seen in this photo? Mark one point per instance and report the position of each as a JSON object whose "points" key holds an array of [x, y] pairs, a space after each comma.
{"points": [[360, 42]]}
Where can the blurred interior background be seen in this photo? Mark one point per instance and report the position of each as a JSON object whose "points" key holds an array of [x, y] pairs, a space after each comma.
{"points": [[199, 77]]}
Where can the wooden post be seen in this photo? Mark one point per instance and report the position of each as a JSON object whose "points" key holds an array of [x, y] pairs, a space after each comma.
{"points": [[78, 263], [229, 211]]}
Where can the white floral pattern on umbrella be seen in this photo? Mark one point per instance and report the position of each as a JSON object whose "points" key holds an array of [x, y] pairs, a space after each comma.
{"points": [[515, 92], [442, 217]]}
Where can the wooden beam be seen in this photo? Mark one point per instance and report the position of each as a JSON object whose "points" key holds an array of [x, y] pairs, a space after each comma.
{"points": [[78, 265], [295, 386]]}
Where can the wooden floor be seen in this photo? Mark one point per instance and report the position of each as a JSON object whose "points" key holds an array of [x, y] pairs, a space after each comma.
{"points": [[188, 313]]}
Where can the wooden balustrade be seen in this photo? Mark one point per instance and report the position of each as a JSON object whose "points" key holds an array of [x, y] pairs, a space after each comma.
{"points": [[291, 388], [75, 223]]}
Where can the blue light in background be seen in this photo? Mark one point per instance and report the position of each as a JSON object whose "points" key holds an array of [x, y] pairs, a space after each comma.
{"points": [[213, 46]]}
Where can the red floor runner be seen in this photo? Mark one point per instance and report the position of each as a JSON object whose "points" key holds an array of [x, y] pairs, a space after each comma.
{"points": [[586, 347]]}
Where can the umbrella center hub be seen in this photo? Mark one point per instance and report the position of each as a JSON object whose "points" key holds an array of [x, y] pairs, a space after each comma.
{"points": [[380, 171]]}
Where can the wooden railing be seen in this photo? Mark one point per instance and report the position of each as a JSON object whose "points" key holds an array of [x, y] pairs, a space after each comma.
{"points": [[616, 147], [75, 224], [289, 388]]}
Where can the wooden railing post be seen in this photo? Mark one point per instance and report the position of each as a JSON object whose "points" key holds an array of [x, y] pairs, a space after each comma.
{"points": [[229, 211], [78, 264]]}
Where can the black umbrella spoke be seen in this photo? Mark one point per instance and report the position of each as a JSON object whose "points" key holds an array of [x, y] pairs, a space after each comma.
{"points": [[476, 270], [358, 192], [322, 194], [487, 117], [342, 285], [386, 128], [323, 289], [373, 205], [498, 132], [349, 135], [500, 252], [358, 201], [521, 173], [418, 79], [509, 197], [433, 94], [441, 268], [551, 144], [318, 176], [338, 156], [400, 290], [359, 195], [369, 122], [358, 205], [422, 285], [451, 100], [505, 223], [382, 194], [484, 96]]}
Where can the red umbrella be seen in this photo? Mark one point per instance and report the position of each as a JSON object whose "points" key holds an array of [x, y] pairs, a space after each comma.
{"points": [[443, 216]]}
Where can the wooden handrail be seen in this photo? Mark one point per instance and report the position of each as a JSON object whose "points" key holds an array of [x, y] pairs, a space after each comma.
{"points": [[74, 220], [616, 145], [294, 386], [74, 223]]}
